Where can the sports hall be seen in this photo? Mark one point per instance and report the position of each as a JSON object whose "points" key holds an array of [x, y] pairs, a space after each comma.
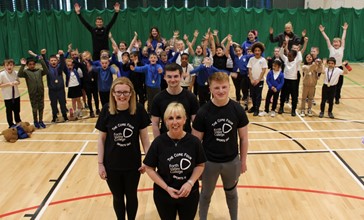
{"points": [[298, 167]]}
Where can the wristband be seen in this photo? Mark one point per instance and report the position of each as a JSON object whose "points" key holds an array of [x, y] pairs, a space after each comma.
{"points": [[190, 182]]}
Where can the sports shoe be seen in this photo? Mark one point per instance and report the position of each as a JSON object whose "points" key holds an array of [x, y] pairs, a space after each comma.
{"points": [[302, 114], [331, 115], [256, 113], [313, 102], [36, 124], [280, 111], [79, 114], [92, 114], [309, 112], [321, 115], [42, 125], [262, 114], [337, 102], [272, 113]]}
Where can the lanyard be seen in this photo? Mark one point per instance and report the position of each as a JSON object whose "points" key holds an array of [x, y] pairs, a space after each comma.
{"points": [[329, 76], [154, 74]]}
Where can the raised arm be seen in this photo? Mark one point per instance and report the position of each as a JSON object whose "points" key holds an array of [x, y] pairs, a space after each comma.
{"points": [[305, 41], [113, 19], [83, 21], [271, 38], [322, 29], [135, 38], [21, 72], [343, 37]]}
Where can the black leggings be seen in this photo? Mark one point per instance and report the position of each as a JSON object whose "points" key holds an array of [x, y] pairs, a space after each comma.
{"points": [[124, 184], [168, 207]]}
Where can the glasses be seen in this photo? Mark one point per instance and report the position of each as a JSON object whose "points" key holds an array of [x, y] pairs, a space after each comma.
{"points": [[124, 93]]}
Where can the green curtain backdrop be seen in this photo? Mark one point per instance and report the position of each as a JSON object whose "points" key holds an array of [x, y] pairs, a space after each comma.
{"points": [[54, 30]]}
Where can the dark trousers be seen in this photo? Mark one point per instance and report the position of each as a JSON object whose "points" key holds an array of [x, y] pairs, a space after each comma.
{"points": [[203, 95], [241, 83], [327, 94], [124, 184], [275, 95], [58, 96], [12, 106], [139, 87], [339, 85], [37, 103], [151, 93], [168, 208], [92, 92], [289, 88], [104, 97], [256, 94]]}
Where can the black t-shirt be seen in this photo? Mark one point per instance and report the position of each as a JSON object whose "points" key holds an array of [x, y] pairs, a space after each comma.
{"points": [[220, 62], [175, 159], [220, 126], [163, 99], [122, 148]]}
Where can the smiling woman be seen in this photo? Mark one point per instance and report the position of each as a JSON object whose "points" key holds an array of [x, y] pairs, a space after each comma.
{"points": [[121, 123]]}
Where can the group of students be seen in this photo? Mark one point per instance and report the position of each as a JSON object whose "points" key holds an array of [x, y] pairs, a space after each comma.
{"points": [[198, 130]]}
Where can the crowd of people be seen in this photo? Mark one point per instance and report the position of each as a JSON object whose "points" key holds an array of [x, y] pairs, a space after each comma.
{"points": [[199, 132]]}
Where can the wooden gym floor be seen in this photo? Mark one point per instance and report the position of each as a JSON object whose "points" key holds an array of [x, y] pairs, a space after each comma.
{"points": [[298, 168]]}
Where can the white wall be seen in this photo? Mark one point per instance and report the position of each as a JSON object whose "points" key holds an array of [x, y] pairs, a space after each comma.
{"points": [[325, 4]]}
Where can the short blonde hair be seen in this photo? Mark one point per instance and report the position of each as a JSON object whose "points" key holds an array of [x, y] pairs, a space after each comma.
{"points": [[219, 77], [132, 100], [174, 107], [337, 39]]}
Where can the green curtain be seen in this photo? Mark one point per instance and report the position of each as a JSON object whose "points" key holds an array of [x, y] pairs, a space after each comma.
{"points": [[54, 30]]}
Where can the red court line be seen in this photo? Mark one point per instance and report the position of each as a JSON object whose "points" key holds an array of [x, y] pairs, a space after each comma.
{"points": [[218, 186]]}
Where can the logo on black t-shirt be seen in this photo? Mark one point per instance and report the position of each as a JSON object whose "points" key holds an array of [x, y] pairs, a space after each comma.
{"points": [[221, 128], [178, 163], [122, 133]]}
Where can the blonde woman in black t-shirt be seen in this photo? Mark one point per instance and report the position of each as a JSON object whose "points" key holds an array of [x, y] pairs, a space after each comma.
{"points": [[174, 162], [122, 123]]}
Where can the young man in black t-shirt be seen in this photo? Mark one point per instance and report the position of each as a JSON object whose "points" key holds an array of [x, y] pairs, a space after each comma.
{"points": [[218, 124], [173, 93]]}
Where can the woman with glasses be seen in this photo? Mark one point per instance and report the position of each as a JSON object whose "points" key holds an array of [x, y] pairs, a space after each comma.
{"points": [[121, 123]]}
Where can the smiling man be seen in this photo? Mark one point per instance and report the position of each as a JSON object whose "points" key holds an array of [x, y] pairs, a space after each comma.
{"points": [[173, 93], [100, 33], [217, 124]]}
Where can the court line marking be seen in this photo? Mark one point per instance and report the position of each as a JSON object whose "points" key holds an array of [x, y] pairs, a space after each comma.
{"points": [[342, 164], [45, 206], [217, 186], [250, 139], [249, 152], [250, 132]]}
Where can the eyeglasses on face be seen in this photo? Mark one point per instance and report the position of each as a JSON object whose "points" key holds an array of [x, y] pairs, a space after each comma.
{"points": [[124, 93]]}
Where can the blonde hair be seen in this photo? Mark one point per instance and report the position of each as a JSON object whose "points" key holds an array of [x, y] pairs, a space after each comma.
{"points": [[219, 77], [337, 39], [174, 107], [289, 24], [132, 100]]}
